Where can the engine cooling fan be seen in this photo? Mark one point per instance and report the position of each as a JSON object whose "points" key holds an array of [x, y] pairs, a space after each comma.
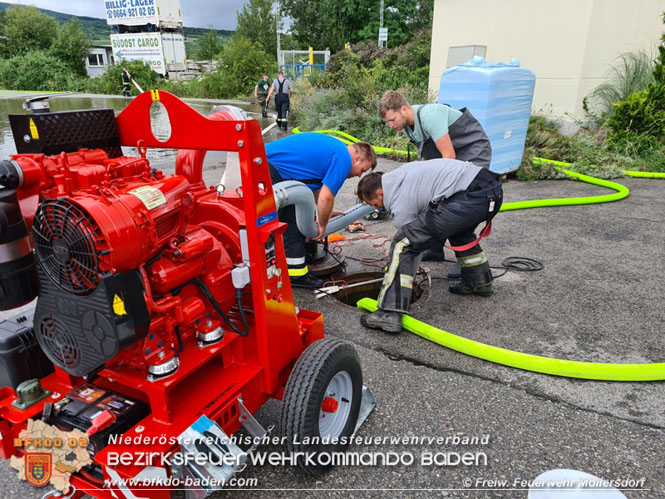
{"points": [[59, 343], [66, 245]]}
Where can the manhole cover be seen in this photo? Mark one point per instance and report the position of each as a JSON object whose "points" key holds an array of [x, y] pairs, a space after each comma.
{"points": [[353, 291]]}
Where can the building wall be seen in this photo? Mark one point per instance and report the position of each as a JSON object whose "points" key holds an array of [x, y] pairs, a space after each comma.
{"points": [[569, 44], [102, 55]]}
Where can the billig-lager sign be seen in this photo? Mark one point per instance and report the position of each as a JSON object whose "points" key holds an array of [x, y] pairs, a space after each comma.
{"points": [[131, 12]]}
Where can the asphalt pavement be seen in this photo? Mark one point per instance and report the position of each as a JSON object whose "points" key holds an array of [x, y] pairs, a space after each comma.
{"points": [[598, 298]]}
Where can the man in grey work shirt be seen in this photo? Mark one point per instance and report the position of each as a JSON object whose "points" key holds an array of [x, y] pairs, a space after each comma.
{"points": [[282, 89], [432, 201]]}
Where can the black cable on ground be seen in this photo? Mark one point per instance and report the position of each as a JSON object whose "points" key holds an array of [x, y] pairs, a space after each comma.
{"points": [[522, 263], [516, 263]]}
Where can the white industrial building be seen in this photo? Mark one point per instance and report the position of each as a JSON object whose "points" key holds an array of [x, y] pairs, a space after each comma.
{"points": [[99, 59], [569, 44]]}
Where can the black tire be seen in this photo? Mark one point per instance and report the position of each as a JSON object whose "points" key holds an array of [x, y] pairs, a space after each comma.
{"points": [[305, 390]]}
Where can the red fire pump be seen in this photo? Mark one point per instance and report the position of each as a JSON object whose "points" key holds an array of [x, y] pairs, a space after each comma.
{"points": [[164, 306]]}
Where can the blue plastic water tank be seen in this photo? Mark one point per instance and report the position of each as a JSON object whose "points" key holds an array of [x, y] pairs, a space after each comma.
{"points": [[499, 95]]}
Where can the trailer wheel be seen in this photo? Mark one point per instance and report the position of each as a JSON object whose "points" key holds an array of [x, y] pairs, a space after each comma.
{"points": [[321, 403]]}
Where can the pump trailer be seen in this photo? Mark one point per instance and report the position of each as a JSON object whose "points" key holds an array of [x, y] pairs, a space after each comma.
{"points": [[164, 316]]}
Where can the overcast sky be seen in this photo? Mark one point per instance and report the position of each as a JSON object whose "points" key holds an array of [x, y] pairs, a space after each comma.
{"points": [[221, 14]]}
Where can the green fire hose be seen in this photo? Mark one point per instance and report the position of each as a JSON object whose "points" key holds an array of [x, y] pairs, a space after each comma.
{"points": [[511, 358], [528, 362]]}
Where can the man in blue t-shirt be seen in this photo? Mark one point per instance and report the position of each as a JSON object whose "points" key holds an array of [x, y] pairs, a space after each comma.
{"points": [[323, 163]]}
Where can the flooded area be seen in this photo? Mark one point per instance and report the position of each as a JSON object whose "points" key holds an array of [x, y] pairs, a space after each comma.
{"points": [[163, 159]]}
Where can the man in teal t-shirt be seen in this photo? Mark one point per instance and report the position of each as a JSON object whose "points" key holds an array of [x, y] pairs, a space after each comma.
{"points": [[439, 131], [261, 94]]}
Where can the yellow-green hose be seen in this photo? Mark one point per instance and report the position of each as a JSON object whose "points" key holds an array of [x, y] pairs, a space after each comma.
{"points": [[528, 362], [350, 139]]}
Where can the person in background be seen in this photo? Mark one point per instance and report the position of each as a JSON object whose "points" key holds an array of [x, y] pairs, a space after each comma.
{"points": [[282, 89], [431, 202], [323, 163], [438, 131], [126, 81], [261, 94]]}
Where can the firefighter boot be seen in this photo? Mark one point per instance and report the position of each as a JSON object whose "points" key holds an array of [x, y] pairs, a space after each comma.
{"points": [[476, 280], [390, 322], [455, 272], [307, 281]]}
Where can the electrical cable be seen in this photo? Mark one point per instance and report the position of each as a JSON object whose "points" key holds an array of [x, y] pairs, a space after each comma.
{"points": [[208, 294], [522, 264], [241, 309], [333, 254], [179, 337]]}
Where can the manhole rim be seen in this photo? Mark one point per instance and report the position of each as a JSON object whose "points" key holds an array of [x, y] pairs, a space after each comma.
{"points": [[424, 292]]}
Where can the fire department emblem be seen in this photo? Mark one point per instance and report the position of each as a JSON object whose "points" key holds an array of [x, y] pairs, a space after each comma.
{"points": [[37, 468]]}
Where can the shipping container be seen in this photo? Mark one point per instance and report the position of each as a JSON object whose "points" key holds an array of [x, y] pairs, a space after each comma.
{"points": [[173, 44]]}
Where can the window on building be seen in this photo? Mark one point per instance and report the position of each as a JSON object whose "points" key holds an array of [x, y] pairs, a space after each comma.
{"points": [[96, 60]]}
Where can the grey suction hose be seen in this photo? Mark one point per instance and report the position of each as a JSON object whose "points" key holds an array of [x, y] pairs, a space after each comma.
{"points": [[351, 215], [292, 192]]}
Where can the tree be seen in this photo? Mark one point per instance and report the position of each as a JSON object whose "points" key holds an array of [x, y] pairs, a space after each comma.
{"points": [[209, 47], [3, 38], [326, 24], [243, 63], [28, 29], [257, 22], [111, 81], [422, 17], [36, 70], [332, 23], [72, 46]]}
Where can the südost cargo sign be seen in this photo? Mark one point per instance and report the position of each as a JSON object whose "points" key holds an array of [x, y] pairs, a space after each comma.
{"points": [[146, 47]]}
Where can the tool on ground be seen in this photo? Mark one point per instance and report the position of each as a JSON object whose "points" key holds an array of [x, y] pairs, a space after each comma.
{"points": [[329, 290], [336, 236], [355, 227]]}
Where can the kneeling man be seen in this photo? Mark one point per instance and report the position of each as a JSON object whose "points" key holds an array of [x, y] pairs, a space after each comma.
{"points": [[431, 201]]}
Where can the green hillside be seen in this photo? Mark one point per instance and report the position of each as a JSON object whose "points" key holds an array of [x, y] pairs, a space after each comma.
{"points": [[99, 30]]}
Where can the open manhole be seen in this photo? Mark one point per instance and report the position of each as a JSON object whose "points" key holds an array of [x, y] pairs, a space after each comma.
{"points": [[370, 287]]}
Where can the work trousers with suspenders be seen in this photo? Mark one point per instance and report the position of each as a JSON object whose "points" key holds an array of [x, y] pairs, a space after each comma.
{"points": [[294, 240], [467, 137], [454, 219], [282, 106]]}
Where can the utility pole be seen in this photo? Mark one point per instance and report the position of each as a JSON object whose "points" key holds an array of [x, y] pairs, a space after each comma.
{"points": [[381, 14], [277, 26], [383, 34]]}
